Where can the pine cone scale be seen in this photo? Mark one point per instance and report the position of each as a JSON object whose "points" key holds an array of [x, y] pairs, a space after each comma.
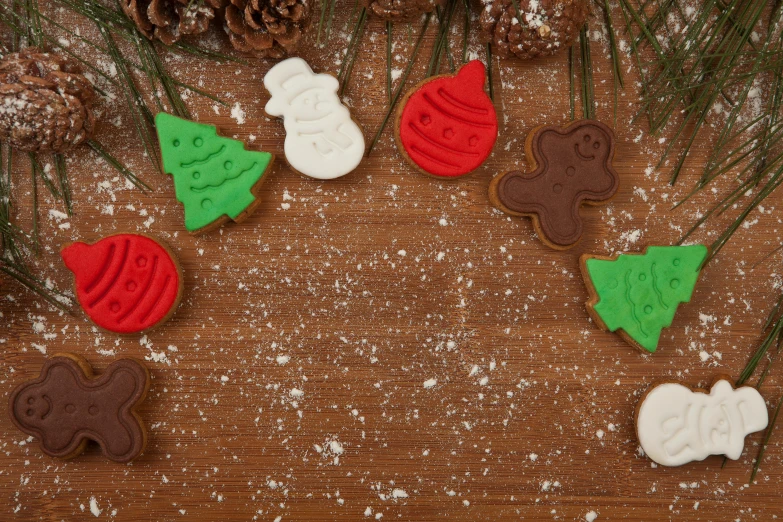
{"points": [[401, 10]]}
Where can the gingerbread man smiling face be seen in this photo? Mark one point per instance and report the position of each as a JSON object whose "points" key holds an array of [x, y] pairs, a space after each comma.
{"points": [[572, 166]]}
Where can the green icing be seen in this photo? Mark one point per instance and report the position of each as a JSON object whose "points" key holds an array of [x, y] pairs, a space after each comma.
{"points": [[213, 175], [640, 293]]}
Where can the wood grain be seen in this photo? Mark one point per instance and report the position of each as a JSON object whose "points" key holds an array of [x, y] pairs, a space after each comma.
{"points": [[290, 383]]}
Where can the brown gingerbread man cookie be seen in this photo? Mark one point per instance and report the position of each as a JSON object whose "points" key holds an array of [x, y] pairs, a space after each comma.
{"points": [[66, 406], [571, 165]]}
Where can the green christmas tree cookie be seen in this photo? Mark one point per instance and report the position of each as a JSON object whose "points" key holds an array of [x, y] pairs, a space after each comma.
{"points": [[215, 178], [639, 293]]}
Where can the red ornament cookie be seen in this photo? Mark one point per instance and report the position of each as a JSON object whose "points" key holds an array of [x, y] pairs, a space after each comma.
{"points": [[126, 283], [446, 125]]}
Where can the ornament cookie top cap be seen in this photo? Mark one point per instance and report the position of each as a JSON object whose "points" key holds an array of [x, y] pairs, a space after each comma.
{"points": [[65, 406], [322, 140], [447, 125], [676, 424], [126, 283]]}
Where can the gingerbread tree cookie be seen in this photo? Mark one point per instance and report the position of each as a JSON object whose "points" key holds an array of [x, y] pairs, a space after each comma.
{"points": [[639, 293], [572, 166], [215, 178]]}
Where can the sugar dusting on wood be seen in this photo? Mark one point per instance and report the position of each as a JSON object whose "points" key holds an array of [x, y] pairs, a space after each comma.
{"points": [[387, 346]]}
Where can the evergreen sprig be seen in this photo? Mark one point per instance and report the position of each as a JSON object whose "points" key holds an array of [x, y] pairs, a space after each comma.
{"points": [[30, 26], [713, 61]]}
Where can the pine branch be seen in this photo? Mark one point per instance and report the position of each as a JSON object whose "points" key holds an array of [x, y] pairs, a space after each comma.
{"points": [[712, 59], [23, 276], [765, 442], [346, 67], [122, 169], [588, 87], [401, 86]]}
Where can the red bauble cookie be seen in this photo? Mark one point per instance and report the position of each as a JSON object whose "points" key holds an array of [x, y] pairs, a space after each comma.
{"points": [[126, 283], [447, 125]]}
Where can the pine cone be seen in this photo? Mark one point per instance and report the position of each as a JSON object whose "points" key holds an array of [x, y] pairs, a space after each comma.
{"points": [[170, 20], [267, 28], [45, 102], [543, 28], [401, 9]]}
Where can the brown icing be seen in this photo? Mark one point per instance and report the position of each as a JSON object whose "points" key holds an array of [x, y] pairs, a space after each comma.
{"points": [[573, 165], [65, 406]]}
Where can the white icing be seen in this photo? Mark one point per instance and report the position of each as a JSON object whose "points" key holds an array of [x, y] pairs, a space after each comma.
{"points": [[676, 425], [322, 141]]}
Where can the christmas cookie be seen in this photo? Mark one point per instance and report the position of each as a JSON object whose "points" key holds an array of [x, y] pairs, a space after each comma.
{"points": [[215, 178], [571, 166], [638, 294], [676, 424], [126, 283], [322, 140], [446, 125], [66, 406]]}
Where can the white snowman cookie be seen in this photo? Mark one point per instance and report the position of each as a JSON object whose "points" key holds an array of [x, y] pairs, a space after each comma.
{"points": [[676, 424], [322, 140]]}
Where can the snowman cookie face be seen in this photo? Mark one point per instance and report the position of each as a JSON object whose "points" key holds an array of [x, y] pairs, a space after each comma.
{"points": [[677, 425], [322, 140]]}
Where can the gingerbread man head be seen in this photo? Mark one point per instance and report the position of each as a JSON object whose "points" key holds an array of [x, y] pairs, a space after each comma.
{"points": [[573, 165]]}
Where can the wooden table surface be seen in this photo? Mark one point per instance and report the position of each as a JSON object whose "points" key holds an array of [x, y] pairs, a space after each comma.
{"points": [[289, 386]]}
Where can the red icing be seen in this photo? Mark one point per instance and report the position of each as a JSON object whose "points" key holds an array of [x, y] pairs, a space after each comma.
{"points": [[448, 127], [126, 283]]}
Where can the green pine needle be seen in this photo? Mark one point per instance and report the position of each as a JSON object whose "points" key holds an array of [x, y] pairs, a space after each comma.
{"points": [[588, 87], [466, 31], [617, 72], [401, 86], [122, 169], [709, 60], [346, 68], [22, 275], [441, 45], [767, 435]]}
